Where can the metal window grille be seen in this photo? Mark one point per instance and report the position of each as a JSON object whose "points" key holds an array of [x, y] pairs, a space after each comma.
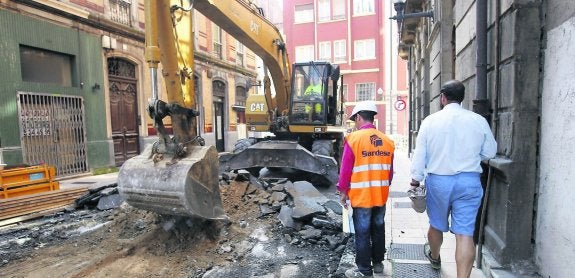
{"points": [[53, 131], [121, 11], [240, 54], [218, 50], [240, 96]]}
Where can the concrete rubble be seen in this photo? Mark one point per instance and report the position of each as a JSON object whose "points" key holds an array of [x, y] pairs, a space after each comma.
{"points": [[293, 230]]}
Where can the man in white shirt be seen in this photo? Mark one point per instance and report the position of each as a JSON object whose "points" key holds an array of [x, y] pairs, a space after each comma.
{"points": [[450, 146]]}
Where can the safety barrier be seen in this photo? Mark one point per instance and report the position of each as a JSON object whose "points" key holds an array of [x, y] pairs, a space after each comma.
{"points": [[27, 180]]}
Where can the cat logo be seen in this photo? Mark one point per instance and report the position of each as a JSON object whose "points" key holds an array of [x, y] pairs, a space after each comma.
{"points": [[257, 107]]}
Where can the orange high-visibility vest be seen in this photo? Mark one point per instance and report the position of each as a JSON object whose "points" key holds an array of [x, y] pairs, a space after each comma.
{"points": [[373, 153]]}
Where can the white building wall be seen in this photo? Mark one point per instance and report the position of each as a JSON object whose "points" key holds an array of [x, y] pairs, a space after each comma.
{"points": [[555, 243]]}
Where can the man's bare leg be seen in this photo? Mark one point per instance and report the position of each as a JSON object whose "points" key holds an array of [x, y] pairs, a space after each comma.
{"points": [[435, 238], [464, 255]]}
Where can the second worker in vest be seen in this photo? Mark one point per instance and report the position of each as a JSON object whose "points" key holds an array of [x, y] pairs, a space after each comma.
{"points": [[365, 175]]}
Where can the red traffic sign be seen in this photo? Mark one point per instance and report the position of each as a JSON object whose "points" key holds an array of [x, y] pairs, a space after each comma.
{"points": [[400, 105]]}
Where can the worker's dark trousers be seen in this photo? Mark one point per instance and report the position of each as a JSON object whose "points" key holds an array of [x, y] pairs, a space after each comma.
{"points": [[369, 227]]}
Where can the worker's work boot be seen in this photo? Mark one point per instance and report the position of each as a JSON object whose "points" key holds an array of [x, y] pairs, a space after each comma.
{"points": [[378, 267]]}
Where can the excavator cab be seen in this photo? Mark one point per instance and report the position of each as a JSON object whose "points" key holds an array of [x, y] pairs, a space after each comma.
{"points": [[309, 138], [314, 94]]}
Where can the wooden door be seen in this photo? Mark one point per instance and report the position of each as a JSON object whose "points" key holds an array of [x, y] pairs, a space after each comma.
{"points": [[123, 110]]}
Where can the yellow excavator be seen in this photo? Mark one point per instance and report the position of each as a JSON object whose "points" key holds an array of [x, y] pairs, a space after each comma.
{"points": [[178, 175]]}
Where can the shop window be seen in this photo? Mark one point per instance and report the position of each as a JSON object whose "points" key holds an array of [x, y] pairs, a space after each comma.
{"points": [[44, 66]]}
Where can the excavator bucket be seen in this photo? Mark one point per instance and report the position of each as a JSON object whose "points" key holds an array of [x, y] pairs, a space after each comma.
{"points": [[186, 186]]}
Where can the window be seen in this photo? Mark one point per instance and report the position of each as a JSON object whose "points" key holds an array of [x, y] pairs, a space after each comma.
{"points": [[217, 39], [218, 89], [323, 10], [308, 102], [364, 49], [330, 10], [120, 11], [339, 51], [344, 92], [304, 53], [241, 96], [361, 7], [303, 13], [365, 91], [44, 66], [239, 54], [325, 51], [338, 11]]}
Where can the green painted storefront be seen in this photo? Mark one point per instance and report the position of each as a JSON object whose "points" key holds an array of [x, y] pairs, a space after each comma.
{"points": [[87, 69]]}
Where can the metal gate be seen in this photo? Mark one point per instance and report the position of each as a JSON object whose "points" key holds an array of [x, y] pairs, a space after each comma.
{"points": [[52, 131]]}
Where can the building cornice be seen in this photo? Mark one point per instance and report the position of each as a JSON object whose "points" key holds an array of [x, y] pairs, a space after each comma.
{"points": [[84, 17], [210, 60]]}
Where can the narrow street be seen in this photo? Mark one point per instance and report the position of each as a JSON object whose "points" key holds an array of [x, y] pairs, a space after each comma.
{"points": [[257, 242]]}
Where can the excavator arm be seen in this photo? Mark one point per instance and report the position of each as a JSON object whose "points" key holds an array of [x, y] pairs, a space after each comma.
{"points": [[245, 22], [177, 175]]}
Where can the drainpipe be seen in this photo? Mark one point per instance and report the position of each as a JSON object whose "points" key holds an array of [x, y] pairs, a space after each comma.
{"points": [[480, 102], [494, 127], [411, 104]]}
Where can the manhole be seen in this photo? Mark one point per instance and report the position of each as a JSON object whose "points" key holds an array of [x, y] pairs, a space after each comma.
{"points": [[402, 204], [397, 194], [406, 251], [401, 270]]}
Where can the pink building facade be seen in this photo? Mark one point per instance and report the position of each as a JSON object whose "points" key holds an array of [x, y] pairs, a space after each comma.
{"points": [[358, 36]]}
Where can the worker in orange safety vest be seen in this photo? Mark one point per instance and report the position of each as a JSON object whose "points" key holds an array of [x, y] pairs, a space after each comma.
{"points": [[365, 175]]}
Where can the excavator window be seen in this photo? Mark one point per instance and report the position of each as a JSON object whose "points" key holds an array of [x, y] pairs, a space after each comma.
{"points": [[309, 94]]}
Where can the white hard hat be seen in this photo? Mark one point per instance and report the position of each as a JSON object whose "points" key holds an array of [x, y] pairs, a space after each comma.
{"points": [[367, 105]]}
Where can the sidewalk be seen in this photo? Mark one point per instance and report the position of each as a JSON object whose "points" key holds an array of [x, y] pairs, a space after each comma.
{"points": [[89, 181], [406, 232]]}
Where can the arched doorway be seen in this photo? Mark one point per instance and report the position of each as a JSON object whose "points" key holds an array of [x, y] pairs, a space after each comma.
{"points": [[123, 109], [219, 96]]}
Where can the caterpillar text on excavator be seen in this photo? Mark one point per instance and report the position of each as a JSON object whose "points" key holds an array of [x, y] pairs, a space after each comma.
{"points": [[178, 174]]}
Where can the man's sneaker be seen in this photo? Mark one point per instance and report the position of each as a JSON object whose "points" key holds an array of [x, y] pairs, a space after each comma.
{"points": [[355, 273], [378, 267], [435, 263]]}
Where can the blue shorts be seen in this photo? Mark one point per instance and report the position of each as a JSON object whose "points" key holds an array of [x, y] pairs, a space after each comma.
{"points": [[458, 196]]}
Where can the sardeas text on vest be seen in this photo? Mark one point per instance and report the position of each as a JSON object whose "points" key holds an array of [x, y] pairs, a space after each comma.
{"points": [[375, 153]]}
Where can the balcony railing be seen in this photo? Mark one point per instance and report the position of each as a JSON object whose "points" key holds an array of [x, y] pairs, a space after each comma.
{"points": [[121, 11]]}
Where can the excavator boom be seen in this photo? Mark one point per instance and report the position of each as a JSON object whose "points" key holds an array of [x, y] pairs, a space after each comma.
{"points": [[285, 114], [242, 20]]}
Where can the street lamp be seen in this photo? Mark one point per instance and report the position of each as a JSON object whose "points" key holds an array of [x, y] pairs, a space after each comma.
{"points": [[399, 6]]}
